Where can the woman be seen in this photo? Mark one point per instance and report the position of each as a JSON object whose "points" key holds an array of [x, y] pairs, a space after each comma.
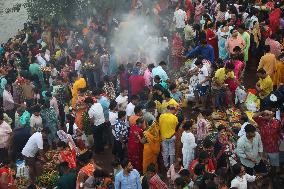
{"points": [[50, 120], [238, 66], [177, 51], [279, 71], [221, 145], [80, 108], [220, 17], [7, 176], [211, 39], [203, 159], [135, 145], [67, 154], [199, 10], [80, 83], [223, 34], [109, 88], [234, 41], [152, 146]]}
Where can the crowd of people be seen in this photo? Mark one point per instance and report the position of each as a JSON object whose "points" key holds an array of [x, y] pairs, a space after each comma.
{"points": [[65, 89]]}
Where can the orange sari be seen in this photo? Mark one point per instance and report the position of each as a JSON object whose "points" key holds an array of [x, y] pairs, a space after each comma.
{"points": [[80, 109], [152, 147], [279, 73]]}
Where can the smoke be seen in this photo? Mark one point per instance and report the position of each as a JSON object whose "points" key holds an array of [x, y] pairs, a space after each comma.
{"points": [[138, 39]]}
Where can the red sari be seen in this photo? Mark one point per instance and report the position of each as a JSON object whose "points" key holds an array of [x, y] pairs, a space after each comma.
{"points": [[213, 41], [135, 148], [177, 51], [69, 156], [274, 20]]}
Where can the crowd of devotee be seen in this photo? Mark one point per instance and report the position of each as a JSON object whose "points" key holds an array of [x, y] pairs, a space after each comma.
{"points": [[203, 113]]}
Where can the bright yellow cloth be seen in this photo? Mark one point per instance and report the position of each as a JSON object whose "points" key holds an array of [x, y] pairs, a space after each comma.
{"points": [[279, 73], [165, 105], [168, 123], [79, 84], [58, 54], [266, 86], [221, 76], [268, 63], [152, 147]]}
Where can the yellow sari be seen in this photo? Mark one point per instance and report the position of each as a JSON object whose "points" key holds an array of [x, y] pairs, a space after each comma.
{"points": [[279, 73], [79, 84], [152, 147]]}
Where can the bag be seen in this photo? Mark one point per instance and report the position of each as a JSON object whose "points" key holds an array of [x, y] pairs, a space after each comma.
{"points": [[22, 169]]}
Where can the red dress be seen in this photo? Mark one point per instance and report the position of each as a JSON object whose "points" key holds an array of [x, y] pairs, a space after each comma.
{"points": [[137, 84], [177, 51], [213, 41], [135, 148], [274, 20], [208, 168]]}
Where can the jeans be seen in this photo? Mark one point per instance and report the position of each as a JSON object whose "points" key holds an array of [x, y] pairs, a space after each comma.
{"points": [[168, 150], [98, 138]]}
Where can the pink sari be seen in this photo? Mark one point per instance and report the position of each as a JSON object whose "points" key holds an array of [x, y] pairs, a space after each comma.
{"points": [[135, 148]]}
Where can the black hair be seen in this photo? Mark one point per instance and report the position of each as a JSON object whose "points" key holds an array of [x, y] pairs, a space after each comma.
{"points": [[187, 125], [207, 143], [71, 120], [184, 173], [45, 130], [121, 114], [151, 104], [198, 61], [137, 109], [151, 168], [261, 71], [211, 185], [63, 165], [230, 66], [140, 120], [98, 173], [237, 169], [167, 94], [89, 100], [172, 86], [157, 77], [180, 182], [249, 128], [244, 118], [97, 92], [267, 48], [134, 97], [112, 104], [221, 127], [124, 163], [162, 63], [151, 66], [242, 26], [203, 155], [199, 169]]}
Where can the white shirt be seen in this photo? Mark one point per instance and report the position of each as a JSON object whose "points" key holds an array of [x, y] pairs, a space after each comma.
{"points": [[202, 74], [112, 117], [130, 109], [36, 122], [5, 131], [179, 18], [41, 60], [242, 131], [78, 64], [122, 102], [96, 111], [34, 144], [75, 127], [241, 183]]}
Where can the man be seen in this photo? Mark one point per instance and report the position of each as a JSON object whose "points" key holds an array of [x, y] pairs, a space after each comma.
{"points": [[246, 37], [203, 84], [160, 71], [5, 134], [148, 75], [155, 182], [179, 19], [250, 150], [168, 123], [264, 86], [270, 132], [8, 102], [34, 70], [205, 50], [128, 177], [32, 147], [122, 100], [169, 101], [120, 134], [131, 105], [268, 61], [67, 178], [97, 118]]}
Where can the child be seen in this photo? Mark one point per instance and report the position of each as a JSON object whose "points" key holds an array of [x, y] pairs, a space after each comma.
{"points": [[241, 179], [173, 172], [188, 141], [175, 93]]}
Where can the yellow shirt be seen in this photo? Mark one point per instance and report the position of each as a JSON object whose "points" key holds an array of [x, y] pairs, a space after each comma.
{"points": [[266, 86], [168, 123], [221, 76], [268, 63], [165, 105]]}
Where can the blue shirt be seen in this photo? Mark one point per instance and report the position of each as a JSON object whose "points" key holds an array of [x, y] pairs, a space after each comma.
{"points": [[132, 181], [160, 72], [206, 52], [105, 104]]}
